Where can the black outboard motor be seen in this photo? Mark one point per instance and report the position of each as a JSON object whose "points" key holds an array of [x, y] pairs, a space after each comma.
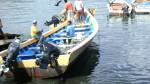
{"points": [[125, 9], [49, 54], [54, 20], [13, 51]]}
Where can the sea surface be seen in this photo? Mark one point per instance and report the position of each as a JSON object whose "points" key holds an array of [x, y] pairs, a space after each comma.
{"points": [[119, 54]]}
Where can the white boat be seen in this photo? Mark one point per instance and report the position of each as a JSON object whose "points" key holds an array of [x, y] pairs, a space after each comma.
{"points": [[141, 6], [119, 7]]}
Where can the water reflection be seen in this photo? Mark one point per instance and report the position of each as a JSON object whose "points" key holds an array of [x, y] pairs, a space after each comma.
{"points": [[125, 51]]}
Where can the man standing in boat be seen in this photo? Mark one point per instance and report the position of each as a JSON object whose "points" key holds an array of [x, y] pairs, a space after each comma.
{"points": [[68, 10], [79, 9], [70, 32]]}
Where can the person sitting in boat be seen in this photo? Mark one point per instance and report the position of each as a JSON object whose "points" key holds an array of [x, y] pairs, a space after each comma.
{"points": [[79, 9], [34, 30], [68, 10]]}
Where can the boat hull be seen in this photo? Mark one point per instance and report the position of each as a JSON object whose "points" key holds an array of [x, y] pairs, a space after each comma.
{"points": [[36, 72]]}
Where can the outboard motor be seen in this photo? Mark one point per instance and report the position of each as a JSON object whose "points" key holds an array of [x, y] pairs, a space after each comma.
{"points": [[48, 55], [125, 9], [13, 51], [54, 20]]}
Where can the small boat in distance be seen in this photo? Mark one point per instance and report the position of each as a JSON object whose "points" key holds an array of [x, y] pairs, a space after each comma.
{"points": [[6, 39], [51, 54], [141, 6], [119, 8]]}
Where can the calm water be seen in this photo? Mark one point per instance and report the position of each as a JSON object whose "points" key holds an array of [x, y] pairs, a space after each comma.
{"points": [[119, 54]]}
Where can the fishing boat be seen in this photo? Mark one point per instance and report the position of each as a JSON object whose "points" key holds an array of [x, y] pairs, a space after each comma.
{"points": [[141, 6], [51, 54], [119, 8], [6, 39]]}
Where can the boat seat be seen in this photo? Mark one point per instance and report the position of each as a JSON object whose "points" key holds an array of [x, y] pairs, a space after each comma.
{"points": [[66, 45], [26, 55], [82, 29], [60, 35]]}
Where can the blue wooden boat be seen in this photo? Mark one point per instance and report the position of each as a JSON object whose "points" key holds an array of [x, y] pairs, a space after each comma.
{"points": [[53, 53]]}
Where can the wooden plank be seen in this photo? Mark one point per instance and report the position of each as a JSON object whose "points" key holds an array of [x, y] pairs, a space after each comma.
{"points": [[30, 41], [3, 42]]}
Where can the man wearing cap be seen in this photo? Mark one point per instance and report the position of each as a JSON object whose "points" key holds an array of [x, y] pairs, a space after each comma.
{"points": [[34, 29]]}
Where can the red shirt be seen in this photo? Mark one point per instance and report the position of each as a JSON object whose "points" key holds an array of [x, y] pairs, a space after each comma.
{"points": [[68, 6]]}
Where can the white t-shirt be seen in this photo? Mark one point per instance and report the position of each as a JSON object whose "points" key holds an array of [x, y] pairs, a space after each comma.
{"points": [[78, 5]]}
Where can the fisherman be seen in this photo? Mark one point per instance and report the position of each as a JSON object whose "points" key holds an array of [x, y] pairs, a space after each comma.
{"points": [[70, 32], [34, 30], [68, 10], [79, 9]]}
